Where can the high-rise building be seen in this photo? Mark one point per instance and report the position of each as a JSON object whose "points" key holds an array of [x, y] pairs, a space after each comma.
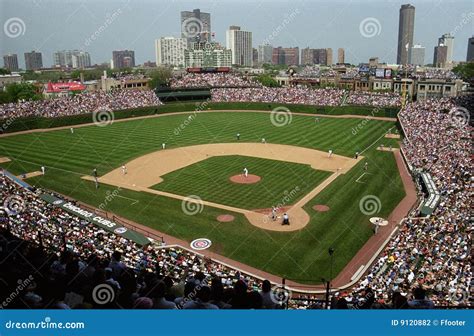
{"points": [[33, 60], [208, 54], [470, 50], [440, 56], [81, 60], [406, 29], [417, 55], [340, 56], [328, 56], [286, 56], [64, 58], [196, 26], [170, 51], [123, 59], [254, 56], [448, 41], [265, 54], [10, 62], [240, 42], [313, 56]]}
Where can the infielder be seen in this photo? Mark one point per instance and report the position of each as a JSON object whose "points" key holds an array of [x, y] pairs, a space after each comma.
{"points": [[238, 136], [330, 153], [43, 170], [246, 172], [163, 145], [124, 170]]}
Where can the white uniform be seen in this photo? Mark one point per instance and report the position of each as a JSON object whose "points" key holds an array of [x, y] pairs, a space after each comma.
{"points": [[246, 172], [124, 170], [43, 170], [72, 130], [330, 153], [163, 145]]}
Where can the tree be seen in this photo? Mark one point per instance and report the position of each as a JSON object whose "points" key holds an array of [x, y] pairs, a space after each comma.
{"points": [[465, 71], [19, 91], [267, 80], [159, 77], [4, 71]]}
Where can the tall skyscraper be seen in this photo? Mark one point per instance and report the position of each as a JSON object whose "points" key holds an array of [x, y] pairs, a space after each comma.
{"points": [[10, 62], [448, 41], [65, 58], [470, 50], [406, 28], [340, 56], [33, 60], [170, 51], [240, 43], [123, 59], [417, 55], [196, 26], [328, 56], [311, 56], [265, 54], [440, 56]]}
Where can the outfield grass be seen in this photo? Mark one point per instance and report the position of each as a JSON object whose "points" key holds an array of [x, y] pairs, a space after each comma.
{"points": [[209, 179], [298, 255]]}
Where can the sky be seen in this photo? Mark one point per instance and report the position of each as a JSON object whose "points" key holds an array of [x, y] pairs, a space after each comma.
{"points": [[364, 28]]}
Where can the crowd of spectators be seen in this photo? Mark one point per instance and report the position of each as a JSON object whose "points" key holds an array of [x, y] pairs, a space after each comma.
{"points": [[86, 102], [206, 80], [304, 95], [435, 251]]}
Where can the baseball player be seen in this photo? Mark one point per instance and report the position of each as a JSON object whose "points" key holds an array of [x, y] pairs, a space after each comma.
{"points": [[264, 141], [43, 170], [286, 219], [163, 145], [274, 213], [72, 130], [124, 170], [94, 172], [246, 172], [238, 136], [357, 155], [366, 166], [329, 153]]}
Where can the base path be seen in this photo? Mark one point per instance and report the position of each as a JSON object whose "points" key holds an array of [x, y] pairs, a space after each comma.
{"points": [[146, 171]]}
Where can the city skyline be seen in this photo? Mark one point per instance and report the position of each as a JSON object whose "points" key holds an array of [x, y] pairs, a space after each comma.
{"points": [[280, 24]]}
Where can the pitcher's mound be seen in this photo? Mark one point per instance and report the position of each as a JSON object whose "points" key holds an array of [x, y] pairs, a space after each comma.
{"points": [[225, 218], [321, 207], [250, 179]]}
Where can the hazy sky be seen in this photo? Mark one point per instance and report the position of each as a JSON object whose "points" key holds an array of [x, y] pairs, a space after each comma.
{"points": [[50, 25]]}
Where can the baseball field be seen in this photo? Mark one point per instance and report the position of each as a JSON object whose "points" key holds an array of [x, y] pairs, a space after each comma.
{"points": [[293, 165]]}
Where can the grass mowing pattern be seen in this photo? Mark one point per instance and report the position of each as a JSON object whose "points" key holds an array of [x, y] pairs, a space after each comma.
{"points": [[209, 179], [298, 255]]}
